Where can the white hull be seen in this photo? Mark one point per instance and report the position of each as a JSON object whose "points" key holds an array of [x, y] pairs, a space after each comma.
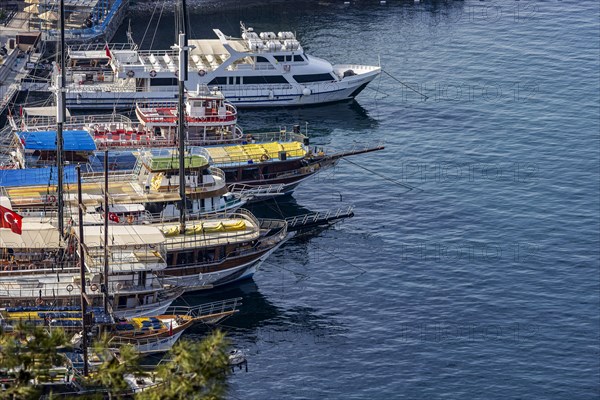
{"points": [[157, 345], [148, 310], [266, 95]]}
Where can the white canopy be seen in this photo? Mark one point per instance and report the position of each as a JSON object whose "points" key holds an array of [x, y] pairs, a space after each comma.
{"points": [[35, 235], [122, 235]]}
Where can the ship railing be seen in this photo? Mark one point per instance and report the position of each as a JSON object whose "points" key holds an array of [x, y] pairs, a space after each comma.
{"points": [[281, 136], [98, 76], [207, 309], [74, 121], [100, 47], [256, 158], [182, 242], [256, 191], [317, 216]]}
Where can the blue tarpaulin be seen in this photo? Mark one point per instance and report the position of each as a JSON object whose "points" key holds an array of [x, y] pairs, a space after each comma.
{"points": [[78, 140], [36, 176]]}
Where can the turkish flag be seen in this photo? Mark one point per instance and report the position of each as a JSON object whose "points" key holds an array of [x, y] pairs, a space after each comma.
{"points": [[11, 219], [113, 217], [107, 49]]}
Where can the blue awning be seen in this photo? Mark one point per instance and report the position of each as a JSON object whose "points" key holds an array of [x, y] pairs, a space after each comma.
{"points": [[78, 140]]}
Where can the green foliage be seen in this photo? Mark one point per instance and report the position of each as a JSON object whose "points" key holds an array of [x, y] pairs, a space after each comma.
{"points": [[197, 370], [111, 374], [28, 352]]}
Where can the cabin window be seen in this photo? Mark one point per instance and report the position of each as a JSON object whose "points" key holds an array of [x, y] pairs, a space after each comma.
{"points": [[298, 58], [185, 257], [257, 80], [163, 82], [280, 58], [231, 176], [313, 78], [219, 80], [250, 174], [260, 59], [170, 259]]}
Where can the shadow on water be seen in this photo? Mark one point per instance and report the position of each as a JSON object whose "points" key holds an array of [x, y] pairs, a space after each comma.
{"points": [[260, 320]]}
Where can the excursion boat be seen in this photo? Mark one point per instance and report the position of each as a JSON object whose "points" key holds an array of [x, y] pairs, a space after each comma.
{"points": [[38, 269], [216, 251], [210, 119], [273, 165], [150, 191], [256, 70], [157, 334]]}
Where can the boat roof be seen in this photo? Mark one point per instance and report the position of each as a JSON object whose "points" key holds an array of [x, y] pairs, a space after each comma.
{"points": [[122, 235], [172, 163], [34, 235], [42, 112], [35, 176], [74, 140]]}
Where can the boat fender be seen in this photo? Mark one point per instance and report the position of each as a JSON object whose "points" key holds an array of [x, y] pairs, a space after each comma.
{"points": [[152, 73], [201, 72], [200, 276], [69, 288], [130, 73], [94, 287], [264, 158], [306, 91]]}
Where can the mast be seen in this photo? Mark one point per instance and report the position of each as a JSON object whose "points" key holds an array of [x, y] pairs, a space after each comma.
{"points": [[60, 120], [84, 338], [182, 46], [105, 272]]}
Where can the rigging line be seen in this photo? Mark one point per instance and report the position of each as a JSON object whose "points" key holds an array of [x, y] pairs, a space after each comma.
{"points": [[394, 181], [297, 274], [157, 23], [148, 26], [341, 259], [404, 84]]}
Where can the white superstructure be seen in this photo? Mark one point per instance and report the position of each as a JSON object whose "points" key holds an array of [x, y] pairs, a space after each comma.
{"points": [[256, 70]]}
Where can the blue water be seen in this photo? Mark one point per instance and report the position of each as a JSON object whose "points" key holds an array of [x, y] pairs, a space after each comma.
{"points": [[470, 270]]}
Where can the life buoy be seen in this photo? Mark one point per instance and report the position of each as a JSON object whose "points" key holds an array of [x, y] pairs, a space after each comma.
{"points": [[119, 286], [176, 72], [51, 199], [137, 246], [264, 158], [152, 73], [69, 288], [130, 73], [287, 68], [249, 138], [39, 301], [93, 287], [201, 72]]}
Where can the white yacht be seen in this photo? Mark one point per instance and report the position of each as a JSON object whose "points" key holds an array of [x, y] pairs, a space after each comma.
{"points": [[256, 70]]}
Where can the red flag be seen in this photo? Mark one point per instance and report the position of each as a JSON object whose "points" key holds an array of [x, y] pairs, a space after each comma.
{"points": [[113, 217], [171, 328], [11, 219], [107, 49]]}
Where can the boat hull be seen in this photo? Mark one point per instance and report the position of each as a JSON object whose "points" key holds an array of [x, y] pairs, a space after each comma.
{"points": [[267, 96]]}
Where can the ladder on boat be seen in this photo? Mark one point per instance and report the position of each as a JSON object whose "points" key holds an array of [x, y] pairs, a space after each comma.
{"points": [[318, 218]]}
